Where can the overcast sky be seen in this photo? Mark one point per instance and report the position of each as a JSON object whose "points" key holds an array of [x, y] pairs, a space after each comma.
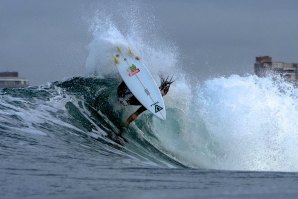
{"points": [[47, 40]]}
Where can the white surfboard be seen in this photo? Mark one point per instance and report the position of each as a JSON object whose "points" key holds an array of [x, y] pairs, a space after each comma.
{"points": [[140, 81]]}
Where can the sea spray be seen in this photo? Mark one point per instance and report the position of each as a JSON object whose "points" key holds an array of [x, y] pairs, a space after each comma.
{"points": [[160, 56]]}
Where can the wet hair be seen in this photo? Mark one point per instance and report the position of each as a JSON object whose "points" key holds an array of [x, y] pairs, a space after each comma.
{"points": [[165, 84]]}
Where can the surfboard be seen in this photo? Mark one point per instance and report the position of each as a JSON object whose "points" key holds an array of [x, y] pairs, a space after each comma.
{"points": [[140, 81]]}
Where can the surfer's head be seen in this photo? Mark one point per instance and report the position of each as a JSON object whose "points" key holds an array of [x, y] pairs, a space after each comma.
{"points": [[165, 85]]}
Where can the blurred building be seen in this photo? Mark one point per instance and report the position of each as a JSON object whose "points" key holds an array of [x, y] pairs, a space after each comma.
{"points": [[12, 80], [265, 66]]}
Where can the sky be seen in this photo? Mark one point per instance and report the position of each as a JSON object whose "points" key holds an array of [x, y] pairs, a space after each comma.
{"points": [[47, 40]]}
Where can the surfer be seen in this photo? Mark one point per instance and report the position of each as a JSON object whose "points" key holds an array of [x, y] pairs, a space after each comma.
{"points": [[126, 97]]}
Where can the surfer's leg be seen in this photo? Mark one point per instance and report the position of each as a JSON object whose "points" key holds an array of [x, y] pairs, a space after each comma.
{"points": [[135, 115]]}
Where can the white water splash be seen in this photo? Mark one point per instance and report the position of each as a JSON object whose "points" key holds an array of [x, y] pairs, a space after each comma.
{"points": [[159, 56], [236, 123]]}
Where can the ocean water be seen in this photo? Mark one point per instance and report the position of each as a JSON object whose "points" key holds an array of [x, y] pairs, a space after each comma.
{"points": [[226, 137]]}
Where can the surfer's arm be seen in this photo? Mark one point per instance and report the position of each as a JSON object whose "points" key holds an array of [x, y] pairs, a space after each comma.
{"points": [[134, 116]]}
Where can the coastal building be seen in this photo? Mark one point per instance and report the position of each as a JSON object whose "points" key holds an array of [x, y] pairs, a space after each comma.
{"points": [[12, 80], [265, 66]]}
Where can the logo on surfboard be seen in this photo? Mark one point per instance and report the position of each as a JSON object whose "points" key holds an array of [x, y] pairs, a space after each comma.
{"points": [[157, 107], [132, 70]]}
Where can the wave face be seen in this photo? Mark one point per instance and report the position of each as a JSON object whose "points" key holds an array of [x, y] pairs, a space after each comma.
{"points": [[234, 123]]}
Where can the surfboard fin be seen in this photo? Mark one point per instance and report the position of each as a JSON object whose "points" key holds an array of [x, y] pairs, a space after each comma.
{"points": [[130, 53], [119, 50], [116, 60]]}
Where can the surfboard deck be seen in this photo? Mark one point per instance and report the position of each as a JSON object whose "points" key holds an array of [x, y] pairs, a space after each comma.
{"points": [[140, 81]]}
